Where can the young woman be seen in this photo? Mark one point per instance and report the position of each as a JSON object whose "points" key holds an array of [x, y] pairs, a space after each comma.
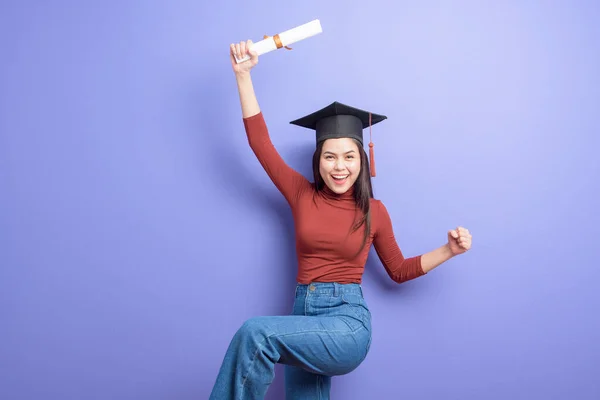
{"points": [[336, 221]]}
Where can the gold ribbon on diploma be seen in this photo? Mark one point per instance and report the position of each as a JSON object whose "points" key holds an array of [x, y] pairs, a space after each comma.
{"points": [[277, 41]]}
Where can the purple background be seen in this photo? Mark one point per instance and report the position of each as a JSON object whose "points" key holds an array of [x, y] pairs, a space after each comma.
{"points": [[138, 231]]}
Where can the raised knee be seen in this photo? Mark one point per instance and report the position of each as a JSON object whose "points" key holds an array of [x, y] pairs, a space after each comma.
{"points": [[252, 328]]}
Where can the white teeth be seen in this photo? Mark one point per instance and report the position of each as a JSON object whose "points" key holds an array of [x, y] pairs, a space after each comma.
{"points": [[340, 176]]}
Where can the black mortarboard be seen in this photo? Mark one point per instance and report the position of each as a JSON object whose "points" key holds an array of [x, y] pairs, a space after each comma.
{"points": [[338, 120]]}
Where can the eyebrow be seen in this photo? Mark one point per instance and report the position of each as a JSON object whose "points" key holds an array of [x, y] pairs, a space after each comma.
{"points": [[348, 152]]}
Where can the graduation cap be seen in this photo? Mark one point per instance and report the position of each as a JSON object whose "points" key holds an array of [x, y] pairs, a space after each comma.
{"points": [[339, 120]]}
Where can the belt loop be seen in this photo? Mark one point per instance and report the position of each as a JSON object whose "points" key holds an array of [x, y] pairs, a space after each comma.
{"points": [[335, 289]]}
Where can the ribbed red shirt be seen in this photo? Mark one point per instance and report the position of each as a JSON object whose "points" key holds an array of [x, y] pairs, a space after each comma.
{"points": [[326, 246]]}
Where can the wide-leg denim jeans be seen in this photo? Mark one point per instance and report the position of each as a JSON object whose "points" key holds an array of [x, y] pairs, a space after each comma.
{"points": [[328, 334]]}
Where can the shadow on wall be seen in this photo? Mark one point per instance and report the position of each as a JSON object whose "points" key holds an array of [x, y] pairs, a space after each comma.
{"points": [[209, 104], [374, 270], [216, 144]]}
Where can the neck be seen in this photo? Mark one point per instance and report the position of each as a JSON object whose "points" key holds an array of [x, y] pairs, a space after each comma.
{"points": [[339, 200], [347, 195]]}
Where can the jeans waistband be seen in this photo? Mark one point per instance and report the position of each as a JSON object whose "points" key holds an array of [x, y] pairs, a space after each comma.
{"points": [[329, 288]]}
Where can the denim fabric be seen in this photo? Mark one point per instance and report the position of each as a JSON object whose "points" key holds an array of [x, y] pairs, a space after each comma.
{"points": [[328, 334]]}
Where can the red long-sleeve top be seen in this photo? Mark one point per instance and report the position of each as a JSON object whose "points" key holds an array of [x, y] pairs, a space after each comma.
{"points": [[326, 246]]}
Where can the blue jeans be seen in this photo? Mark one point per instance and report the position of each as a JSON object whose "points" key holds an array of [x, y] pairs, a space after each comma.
{"points": [[328, 334]]}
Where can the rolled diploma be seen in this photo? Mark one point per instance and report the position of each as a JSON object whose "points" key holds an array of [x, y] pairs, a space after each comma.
{"points": [[288, 37]]}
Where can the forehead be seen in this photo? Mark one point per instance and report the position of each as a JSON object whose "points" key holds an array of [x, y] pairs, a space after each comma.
{"points": [[339, 145]]}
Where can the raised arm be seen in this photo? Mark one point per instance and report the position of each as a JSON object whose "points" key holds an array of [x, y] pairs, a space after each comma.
{"points": [[289, 182]]}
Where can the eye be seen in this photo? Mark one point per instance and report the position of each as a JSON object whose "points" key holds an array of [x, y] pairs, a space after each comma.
{"points": [[350, 157], [328, 157]]}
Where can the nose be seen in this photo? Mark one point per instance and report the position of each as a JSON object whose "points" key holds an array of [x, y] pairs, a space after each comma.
{"points": [[339, 165]]}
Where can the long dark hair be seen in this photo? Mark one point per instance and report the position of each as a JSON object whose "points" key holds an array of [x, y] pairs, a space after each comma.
{"points": [[363, 190]]}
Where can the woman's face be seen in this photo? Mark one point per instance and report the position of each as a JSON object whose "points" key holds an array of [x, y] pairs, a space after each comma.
{"points": [[339, 164]]}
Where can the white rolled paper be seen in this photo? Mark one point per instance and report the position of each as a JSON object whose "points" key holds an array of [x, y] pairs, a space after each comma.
{"points": [[286, 38]]}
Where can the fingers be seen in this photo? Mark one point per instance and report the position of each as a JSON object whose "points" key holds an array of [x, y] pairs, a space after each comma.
{"points": [[462, 236], [236, 50], [462, 231], [245, 50], [242, 49], [252, 53]]}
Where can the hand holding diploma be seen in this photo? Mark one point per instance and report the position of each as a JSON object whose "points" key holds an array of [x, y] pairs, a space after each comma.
{"points": [[278, 41], [243, 50]]}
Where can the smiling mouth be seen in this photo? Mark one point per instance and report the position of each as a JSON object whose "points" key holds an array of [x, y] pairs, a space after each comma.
{"points": [[339, 179]]}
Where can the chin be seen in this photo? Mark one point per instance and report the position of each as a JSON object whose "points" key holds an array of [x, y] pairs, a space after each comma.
{"points": [[340, 187], [338, 190]]}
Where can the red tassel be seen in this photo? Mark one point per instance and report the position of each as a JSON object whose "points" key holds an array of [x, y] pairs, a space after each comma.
{"points": [[372, 157], [371, 150]]}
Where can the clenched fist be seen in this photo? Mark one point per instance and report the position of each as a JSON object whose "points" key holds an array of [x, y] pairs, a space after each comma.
{"points": [[240, 50], [459, 240]]}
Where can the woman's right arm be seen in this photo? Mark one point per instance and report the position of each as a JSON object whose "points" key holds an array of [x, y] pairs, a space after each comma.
{"points": [[248, 99], [289, 182]]}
